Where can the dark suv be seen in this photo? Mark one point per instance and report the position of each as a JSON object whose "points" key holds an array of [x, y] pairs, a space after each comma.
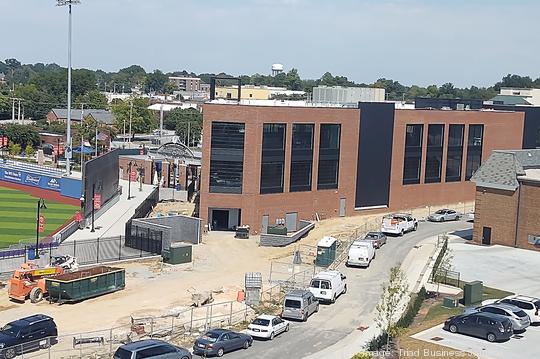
{"points": [[26, 335], [492, 327]]}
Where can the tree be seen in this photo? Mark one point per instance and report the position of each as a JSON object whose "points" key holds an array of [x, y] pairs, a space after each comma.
{"points": [[36, 103], [92, 99], [14, 149], [514, 81], [29, 151], [394, 292], [20, 134], [293, 81], [143, 120], [187, 123], [155, 81]]}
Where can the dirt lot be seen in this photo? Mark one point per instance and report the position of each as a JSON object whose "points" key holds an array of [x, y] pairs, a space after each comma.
{"points": [[219, 264]]}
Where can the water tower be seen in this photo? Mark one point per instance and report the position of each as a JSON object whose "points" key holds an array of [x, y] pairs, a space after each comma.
{"points": [[277, 69]]}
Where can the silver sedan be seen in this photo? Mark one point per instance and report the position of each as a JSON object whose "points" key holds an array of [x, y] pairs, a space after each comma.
{"points": [[443, 215]]}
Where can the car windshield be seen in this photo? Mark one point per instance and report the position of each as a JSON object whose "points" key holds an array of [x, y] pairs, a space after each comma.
{"points": [[10, 330], [537, 304], [372, 235], [261, 322], [122, 353], [211, 337], [440, 211], [315, 284], [292, 303], [520, 313]]}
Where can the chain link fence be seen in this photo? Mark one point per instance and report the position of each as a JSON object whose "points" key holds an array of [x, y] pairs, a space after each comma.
{"points": [[181, 327]]}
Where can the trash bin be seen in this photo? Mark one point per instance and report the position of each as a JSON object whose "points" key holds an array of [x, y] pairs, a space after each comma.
{"points": [[31, 254]]}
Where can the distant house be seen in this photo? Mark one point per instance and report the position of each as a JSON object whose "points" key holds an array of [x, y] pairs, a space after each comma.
{"points": [[2, 78], [60, 114]]}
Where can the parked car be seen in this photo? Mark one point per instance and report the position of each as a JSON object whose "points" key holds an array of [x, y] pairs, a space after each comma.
{"points": [[328, 285], [488, 326], [529, 305], [299, 304], [27, 334], [220, 341], [520, 319], [267, 326], [443, 215], [377, 238], [398, 223], [361, 253], [151, 348]]}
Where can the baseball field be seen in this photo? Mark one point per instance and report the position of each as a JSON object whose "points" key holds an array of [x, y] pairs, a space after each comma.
{"points": [[18, 216]]}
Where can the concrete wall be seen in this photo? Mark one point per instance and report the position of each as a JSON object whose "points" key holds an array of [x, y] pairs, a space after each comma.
{"points": [[175, 228]]}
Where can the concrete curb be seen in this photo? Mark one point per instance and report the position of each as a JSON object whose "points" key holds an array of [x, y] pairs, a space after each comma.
{"points": [[418, 271]]}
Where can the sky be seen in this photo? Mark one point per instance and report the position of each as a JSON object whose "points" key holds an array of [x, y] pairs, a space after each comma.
{"points": [[423, 42]]}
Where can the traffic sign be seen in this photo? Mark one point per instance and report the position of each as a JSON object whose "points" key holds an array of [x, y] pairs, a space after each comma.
{"points": [[97, 201], [41, 225]]}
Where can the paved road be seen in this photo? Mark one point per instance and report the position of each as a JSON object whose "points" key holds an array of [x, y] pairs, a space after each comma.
{"points": [[334, 322]]}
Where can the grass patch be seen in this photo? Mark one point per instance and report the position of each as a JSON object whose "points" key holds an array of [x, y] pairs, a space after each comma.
{"points": [[433, 313], [18, 216]]}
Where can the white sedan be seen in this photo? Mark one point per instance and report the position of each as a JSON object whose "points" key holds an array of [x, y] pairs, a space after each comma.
{"points": [[267, 326]]}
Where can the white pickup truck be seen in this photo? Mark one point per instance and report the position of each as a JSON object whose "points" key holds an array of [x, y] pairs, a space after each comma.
{"points": [[398, 223]]}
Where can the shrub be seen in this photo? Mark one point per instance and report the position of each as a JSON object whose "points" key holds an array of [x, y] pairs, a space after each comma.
{"points": [[362, 355]]}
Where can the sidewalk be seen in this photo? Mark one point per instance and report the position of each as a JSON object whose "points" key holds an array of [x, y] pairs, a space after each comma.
{"points": [[417, 266], [113, 222]]}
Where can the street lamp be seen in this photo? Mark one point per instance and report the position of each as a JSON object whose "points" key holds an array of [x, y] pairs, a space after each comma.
{"points": [[68, 129], [40, 205]]}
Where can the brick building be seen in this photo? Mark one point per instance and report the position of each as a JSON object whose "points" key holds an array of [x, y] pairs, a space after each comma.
{"points": [[508, 199], [262, 164]]}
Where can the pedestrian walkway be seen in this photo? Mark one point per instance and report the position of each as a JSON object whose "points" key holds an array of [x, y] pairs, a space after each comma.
{"points": [[112, 223]]}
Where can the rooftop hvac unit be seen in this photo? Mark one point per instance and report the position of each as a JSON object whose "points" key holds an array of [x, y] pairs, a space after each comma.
{"points": [[534, 240]]}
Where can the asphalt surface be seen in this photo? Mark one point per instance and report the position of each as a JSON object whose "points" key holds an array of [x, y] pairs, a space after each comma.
{"points": [[334, 322]]}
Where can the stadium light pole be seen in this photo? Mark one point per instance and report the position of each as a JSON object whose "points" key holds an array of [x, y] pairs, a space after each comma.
{"points": [[40, 205], [68, 129]]}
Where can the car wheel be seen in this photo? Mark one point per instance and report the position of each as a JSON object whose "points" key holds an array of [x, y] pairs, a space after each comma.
{"points": [[345, 289], [220, 352], [287, 328], [491, 337], [46, 345], [304, 318], [36, 295], [401, 233], [333, 299], [246, 343], [185, 357], [9, 353], [316, 309], [272, 336], [458, 218], [415, 227], [453, 328]]}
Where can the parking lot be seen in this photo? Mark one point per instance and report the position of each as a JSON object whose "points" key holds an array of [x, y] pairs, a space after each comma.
{"points": [[523, 345], [506, 268], [352, 310]]}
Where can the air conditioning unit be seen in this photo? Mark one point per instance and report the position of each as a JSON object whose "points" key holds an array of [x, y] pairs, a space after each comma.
{"points": [[534, 240]]}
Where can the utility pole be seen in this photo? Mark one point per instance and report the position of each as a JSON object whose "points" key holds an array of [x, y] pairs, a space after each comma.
{"points": [[13, 110], [68, 151], [130, 118], [19, 111], [161, 124], [96, 141], [188, 132]]}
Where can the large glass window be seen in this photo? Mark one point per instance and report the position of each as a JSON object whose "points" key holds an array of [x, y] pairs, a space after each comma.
{"points": [[301, 157], [413, 154], [474, 149], [454, 155], [329, 149], [434, 153], [227, 157], [273, 157]]}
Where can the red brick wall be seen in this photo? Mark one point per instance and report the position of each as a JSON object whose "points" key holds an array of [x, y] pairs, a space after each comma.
{"points": [[496, 209], [252, 203], [502, 131], [529, 214]]}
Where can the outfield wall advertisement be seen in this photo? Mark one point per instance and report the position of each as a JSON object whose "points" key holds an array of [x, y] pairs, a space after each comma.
{"points": [[66, 186]]}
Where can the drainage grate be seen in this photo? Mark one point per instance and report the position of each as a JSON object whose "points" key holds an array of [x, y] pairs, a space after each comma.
{"points": [[437, 339]]}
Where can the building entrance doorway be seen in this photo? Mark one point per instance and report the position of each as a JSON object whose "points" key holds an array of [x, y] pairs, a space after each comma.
{"points": [[224, 219], [486, 236]]}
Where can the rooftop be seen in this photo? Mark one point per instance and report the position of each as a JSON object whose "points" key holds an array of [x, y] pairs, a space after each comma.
{"points": [[504, 169]]}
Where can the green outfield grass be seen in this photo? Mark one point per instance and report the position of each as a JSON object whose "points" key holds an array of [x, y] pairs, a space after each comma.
{"points": [[18, 216]]}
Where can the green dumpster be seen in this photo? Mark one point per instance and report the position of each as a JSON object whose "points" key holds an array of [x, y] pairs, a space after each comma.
{"points": [[178, 253], [472, 293], [326, 251], [85, 283]]}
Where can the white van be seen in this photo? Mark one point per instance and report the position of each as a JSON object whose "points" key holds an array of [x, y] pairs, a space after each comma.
{"points": [[328, 285], [361, 253]]}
